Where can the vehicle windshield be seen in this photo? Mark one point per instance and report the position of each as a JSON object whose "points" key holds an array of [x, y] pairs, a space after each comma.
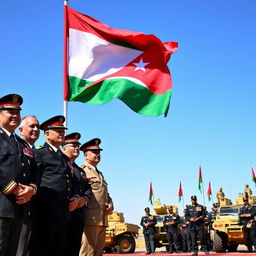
{"points": [[159, 219], [228, 211]]}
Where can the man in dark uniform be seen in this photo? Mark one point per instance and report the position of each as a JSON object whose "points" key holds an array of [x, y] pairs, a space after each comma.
{"points": [[171, 222], [187, 231], [148, 223], [18, 175], [195, 214], [29, 132], [84, 192], [247, 214], [51, 207]]}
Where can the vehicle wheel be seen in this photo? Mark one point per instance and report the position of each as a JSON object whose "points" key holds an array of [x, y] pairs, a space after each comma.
{"points": [[232, 247], [125, 244], [218, 245]]}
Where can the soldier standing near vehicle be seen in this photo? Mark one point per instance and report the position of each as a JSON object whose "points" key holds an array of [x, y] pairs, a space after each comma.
{"points": [[195, 214], [148, 223], [210, 220], [247, 214], [247, 191], [220, 195], [171, 222]]}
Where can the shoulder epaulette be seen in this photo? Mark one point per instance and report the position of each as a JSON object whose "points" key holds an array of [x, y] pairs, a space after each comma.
{"points": [[39, 147]]}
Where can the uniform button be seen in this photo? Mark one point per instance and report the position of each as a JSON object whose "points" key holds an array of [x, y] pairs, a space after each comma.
{"points": [[24, 174], [67, 181], [66, 175], [68, 189], [67, 197], [22, 164], [81, 190], [28, 162]]}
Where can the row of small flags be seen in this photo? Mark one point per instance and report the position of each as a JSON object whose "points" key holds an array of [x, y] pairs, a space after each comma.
{"points": [[200, 187]]}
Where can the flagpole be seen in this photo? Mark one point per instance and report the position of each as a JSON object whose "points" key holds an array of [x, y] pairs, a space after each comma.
{"points": [[202, 186], [183, 203], [211, 194], [65, 103]]}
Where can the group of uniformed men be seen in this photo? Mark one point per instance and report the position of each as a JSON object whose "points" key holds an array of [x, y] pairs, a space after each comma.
{"points": [[183, 233], [49, 206]]}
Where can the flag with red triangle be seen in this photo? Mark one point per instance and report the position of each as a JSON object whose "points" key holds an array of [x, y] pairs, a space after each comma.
{"points": [[103, 63], [209, 191], [180, 192], [150, 196]]}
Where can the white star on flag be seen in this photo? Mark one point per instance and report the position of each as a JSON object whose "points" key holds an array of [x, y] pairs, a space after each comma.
{"points": [[140, 65]]}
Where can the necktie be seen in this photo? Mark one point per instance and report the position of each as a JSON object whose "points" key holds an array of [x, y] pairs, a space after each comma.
{"points": [[59, 153], [14, 141]]}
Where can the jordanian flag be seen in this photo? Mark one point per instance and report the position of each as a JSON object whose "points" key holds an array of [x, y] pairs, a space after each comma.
{"points": [[200, 179], [180, 192], [253, 176], [209, 192], [150, 196], [102, 63]]}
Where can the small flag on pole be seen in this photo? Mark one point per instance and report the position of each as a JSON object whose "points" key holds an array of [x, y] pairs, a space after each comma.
{"points": [[253, 176], [200, 179], [209, 192], [180, 193], [150, 197]]}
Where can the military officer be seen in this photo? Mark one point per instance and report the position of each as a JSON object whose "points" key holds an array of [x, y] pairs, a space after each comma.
{"points": [[100, 204], [55, 199], [247, 214], [220, 195], [18, 175], [29, 132], [84, 192], [247, 191], [171, 222], [148, 223], [211, 218], [195, 214]]}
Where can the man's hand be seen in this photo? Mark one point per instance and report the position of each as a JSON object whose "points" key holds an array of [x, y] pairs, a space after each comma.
{"points": [[23, 193], [83, 200], [73, 202], [109, 208], [192, 219]]}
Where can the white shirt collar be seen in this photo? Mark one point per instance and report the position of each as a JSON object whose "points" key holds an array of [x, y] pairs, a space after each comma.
{"points": [[8, 133], [53, 147]]}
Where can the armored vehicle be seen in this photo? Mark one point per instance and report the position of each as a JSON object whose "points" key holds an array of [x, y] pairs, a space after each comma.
{"points": [[228, 231], [120, 236], [160, 212]]}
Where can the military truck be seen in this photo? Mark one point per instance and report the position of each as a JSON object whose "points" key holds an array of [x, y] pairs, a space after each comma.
{"points": [[120, 236], [228, 231], [160, 211]]}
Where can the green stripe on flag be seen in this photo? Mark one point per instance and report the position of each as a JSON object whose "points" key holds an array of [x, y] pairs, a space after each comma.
{"points": [[137, 97]]}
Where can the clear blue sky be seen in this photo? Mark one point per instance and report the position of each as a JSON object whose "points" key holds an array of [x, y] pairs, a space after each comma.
{"points": [[211, 120]]}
